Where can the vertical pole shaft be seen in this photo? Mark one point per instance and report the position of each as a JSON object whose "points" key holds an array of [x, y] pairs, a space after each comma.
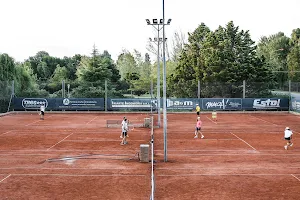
{"points": [[199, 89], [105, 95], [164, 89], [158, 80], [290, 95], [244, 89], [151, 94]]}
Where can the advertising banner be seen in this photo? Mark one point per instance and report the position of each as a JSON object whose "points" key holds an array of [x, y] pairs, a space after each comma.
{"points": [[295, 102], [59, 103], [266, 104], [182, 104], [221, 104], [132, 104], [80, 104]]}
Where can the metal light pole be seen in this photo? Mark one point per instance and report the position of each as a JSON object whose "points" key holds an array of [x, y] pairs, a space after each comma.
{"points": [[165, 86], [156, 25]]}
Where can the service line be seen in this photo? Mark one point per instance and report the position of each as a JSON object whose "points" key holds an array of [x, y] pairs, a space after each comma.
{"points": [[295, 177], [211, 120], [60, 141], [5, 178], [243, 141], [91, 120], [264, 120], [6, 132]]}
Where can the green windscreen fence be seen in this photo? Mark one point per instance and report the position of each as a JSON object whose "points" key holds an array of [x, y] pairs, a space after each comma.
{"points": [[5, 96]]}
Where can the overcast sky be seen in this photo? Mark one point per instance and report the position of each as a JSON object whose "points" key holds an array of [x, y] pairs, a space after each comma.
{"points": [[69, 27]]}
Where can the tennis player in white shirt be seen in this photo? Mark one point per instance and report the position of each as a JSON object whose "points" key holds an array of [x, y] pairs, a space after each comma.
{"points": [[288, 137]]}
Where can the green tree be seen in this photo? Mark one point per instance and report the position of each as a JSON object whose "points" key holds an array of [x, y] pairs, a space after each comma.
{"points": [[293, 58]]}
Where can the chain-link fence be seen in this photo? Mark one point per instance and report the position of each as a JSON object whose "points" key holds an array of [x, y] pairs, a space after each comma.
{"points": [[6, 91], [243, 89]]}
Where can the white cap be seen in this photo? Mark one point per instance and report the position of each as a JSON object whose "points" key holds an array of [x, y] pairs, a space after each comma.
{"points": [[198, 117], [287, 128], [196, 104]]}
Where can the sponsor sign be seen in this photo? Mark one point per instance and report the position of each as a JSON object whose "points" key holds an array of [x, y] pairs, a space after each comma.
{"points": [[131, 104], [181, 104], [221, 104], [266, 103], [296, 105], [59, 103], [34, 103], [80, 104]]}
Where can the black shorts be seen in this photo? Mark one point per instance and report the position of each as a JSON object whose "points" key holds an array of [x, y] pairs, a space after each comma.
{"points": [[288, 138], [198, 113], [124, 134], [198, 129], [42, 113]]}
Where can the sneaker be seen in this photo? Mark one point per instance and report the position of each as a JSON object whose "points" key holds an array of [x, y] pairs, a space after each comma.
{"points": [[291, 144], [285, 147], [122, 143], [121, 136], [196, 136], [202, 136]]}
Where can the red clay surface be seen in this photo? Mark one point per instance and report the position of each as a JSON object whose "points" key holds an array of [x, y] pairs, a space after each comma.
{"points": [[241, 157]]}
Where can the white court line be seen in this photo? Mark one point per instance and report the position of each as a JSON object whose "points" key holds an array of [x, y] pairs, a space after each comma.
{"points": [[60, 141], [91, 120], [5, 178], [64, 168], [101, 140], [7, 132], [227, 175], [78, 175], [211, 120], [38, 121], [264, 120], [295, 177], [32, 123], [244, 141], [200, 168]]}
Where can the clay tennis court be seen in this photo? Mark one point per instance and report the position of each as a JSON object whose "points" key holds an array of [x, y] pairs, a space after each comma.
{"points": [[75, 156]]}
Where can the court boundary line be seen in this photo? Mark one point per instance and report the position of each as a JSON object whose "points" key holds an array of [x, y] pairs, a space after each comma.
{"points": [[102, 140], [211, 120], [295, 177], [200, 168], [264, 120], [244, 141], [91, 120], [7, 132], [59, 141], [5, 178], [225, 174], [81, 175]]}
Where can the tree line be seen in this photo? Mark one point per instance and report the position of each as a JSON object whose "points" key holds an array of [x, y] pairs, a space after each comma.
{"points": [[219, 59]]}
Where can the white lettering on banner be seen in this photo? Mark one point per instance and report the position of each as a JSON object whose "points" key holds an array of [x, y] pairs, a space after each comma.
{"points": [[31, 103], [68, 102], [295, 105], [179, 103], [260, 104], [215, 104], [130, 104]]}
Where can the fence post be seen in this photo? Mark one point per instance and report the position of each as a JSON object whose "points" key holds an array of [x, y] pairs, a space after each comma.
{"points": [[63, 89], [290, 95], [199, 90], [244, 89], [105, 95]]}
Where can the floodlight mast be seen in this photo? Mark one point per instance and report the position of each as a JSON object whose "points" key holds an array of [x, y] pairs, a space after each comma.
{"points": [[156, 24]]}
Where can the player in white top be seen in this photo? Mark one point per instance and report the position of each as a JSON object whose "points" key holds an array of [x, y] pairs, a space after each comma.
{"points": [[288, 137], [42, 111], [124, 131]]}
